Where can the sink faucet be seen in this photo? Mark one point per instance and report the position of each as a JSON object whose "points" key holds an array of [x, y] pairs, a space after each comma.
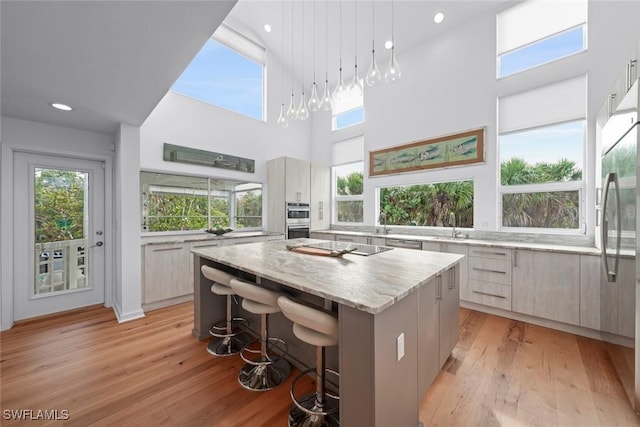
{"points": [[452, 221], [383, 217]]}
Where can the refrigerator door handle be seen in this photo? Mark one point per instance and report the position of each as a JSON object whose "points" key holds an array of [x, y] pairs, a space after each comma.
{"points": [[611, 274]]}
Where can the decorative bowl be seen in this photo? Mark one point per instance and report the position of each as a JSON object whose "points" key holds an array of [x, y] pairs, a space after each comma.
{"points": [[218, 231]]}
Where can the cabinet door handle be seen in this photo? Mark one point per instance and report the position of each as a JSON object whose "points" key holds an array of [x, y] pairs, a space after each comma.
{"points": [[489, 295], [491, 253], [166, 249], [515, 258], [439, 288], [489, 271]]}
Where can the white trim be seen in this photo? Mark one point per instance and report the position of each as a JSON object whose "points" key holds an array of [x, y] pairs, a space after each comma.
{"points": [[126, 317]]}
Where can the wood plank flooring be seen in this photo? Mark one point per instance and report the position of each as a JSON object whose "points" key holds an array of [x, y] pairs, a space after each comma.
{"points": [[152, 372]]}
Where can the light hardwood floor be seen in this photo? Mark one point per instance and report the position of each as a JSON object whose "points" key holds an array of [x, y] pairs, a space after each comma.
{"points": [[151, 372]]}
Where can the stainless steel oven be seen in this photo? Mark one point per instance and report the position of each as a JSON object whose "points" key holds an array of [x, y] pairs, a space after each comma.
{"points": [[297, 220]]}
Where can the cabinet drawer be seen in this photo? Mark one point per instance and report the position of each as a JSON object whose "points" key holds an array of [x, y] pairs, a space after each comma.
{"points": [[490, 270], [492, 253], [491, 294]]}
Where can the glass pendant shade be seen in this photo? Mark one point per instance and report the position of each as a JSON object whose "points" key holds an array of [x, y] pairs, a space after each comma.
{"points": [[282, 119], [339, 93], [303, 113], [393, 73], [292, 113], [356, 87], [314, 101], [325, 103], [373, 75]]}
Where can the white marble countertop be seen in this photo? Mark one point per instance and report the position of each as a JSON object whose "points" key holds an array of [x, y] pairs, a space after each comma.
{"points": [[368, 283], [580, 250], [202, 236]]}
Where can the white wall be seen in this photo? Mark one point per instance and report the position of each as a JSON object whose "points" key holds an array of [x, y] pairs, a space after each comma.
{"points": [[449, 85], [21, 135], [184, 121]]}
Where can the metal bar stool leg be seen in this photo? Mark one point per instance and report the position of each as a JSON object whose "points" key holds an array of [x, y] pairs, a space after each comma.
{"points": [[229, 337]]}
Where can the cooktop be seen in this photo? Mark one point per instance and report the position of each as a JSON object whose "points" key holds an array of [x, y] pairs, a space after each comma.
{"points": [[361, 248]]}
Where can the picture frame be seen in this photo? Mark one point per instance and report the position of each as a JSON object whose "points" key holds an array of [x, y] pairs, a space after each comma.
{"points": [[457, 149]]}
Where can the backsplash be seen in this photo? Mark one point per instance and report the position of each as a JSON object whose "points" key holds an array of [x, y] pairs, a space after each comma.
{"points": [[555, 239]]}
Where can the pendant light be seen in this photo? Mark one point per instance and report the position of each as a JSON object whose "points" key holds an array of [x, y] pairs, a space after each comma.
{"points": [[356, 87], [393, 73], [339, 92], [314, 101], [292, 112], [325, 102], [303, 113], [373, 75], [282, 119]]}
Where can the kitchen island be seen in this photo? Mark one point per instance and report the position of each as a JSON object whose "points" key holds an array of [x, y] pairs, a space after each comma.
{"points": [[397, 313]]}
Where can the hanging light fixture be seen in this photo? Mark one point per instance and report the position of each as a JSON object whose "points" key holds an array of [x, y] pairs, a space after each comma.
{"points": [[292, 112], [373, 75], [314, 101], [325, 102], [282, 119], [356, 86], [393, 72], [303, 113], [339, 92]]}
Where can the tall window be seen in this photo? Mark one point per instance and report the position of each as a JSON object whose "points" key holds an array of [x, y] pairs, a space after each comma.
{"points": [[348, 181], [541, 146], [537, 32], [428, 205], [227, 72]]}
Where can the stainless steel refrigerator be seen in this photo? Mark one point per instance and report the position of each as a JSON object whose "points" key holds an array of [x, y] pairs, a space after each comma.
{"points": [[618, 203]]}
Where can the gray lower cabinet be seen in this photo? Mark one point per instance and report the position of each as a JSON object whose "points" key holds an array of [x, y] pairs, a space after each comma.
{"points": [[438, 325], [166, 272], [546, 285], [463, 269]]}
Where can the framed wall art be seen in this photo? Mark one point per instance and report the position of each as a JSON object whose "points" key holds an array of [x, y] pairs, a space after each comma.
{"points": [[451, 150]]}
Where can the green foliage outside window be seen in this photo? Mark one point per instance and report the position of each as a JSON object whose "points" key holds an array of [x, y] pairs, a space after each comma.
{"points": [[428, 204], [59, 205], [249, 209], [543, 209]]}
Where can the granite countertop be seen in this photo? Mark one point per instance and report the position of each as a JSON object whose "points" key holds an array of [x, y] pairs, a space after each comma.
{"points": [[547, 247], [368, 283], [182, 238]]}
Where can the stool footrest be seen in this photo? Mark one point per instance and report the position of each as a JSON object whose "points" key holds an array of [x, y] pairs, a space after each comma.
{"points": [[220, 330], [265, 359], [328, 397]]}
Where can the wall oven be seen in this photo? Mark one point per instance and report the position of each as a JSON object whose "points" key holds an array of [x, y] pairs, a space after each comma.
{"points": [[297, 220]]}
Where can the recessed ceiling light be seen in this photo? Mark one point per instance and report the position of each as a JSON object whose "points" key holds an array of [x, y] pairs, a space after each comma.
{"points": [[388, 44], [59, 106], [438, 17], [267, 28]]}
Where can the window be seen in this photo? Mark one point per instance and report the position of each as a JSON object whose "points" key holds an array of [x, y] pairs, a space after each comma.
{"points": [[427, 205], [347, 110], [227, 72], [541, 146], [538, 32], [184, 203], [348, 180], [348, 118]]}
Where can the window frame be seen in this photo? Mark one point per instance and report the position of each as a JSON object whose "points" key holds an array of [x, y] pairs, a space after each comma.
{"points": [[336, 198]]}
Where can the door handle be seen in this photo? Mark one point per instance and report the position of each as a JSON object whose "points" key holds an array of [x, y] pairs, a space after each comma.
{"points": [[98, 244]]}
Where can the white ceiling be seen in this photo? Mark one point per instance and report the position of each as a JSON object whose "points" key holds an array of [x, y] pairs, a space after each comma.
{"points": [[110, 60], [413, 26], [114, 60]]}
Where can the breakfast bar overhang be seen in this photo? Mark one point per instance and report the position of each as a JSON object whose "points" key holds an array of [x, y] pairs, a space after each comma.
{"points": [[393, 302]]}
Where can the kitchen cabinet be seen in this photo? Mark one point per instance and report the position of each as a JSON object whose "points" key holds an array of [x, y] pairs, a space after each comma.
{"points": [[438, 325], [288, 180], [378, 241], [590, 298], [351, 239], [454, 248], [322, 236], [547, 285], [166, 272], [490, 277], [626, 301], [320, 197], [403, 243]]}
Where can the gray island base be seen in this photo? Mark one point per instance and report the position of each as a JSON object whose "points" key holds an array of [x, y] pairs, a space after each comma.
{"points": [[397, 313]]}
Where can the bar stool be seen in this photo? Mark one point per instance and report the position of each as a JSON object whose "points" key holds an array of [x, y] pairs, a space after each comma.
{"points": [[226, 341], [264, 372], [317, 328]]}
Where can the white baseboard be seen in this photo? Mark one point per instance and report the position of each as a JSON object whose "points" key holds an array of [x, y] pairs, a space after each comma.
{"points": [[125, 317], [167, 302]]}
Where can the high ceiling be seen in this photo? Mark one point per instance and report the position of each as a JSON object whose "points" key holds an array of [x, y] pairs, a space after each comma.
{"points": [[113, 61], [413, 26]]}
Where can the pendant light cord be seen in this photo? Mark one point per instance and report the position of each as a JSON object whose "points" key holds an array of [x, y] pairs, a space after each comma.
{"points": [[292, 64], [314, 42]]}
